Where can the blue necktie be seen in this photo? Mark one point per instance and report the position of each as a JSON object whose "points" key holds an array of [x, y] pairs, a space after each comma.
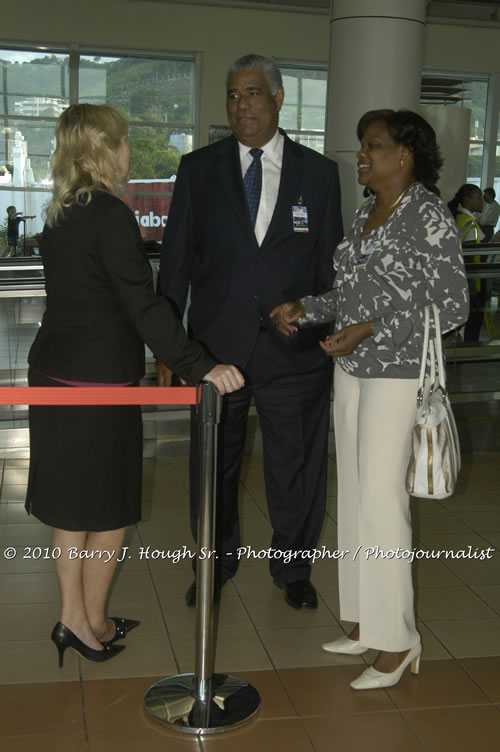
{"points": [[252, 183]]}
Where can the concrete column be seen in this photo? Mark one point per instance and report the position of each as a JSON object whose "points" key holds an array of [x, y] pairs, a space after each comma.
{"points": [[376, 55]]}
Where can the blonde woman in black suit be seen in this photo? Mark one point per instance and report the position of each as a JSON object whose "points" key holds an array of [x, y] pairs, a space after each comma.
{"points": [[86, 462]]}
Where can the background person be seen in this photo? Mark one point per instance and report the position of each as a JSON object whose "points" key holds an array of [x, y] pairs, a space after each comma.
{"points": [[488, 217], [14, 219], [86, 462], [241, 249], [467, 200], [401, 254]]}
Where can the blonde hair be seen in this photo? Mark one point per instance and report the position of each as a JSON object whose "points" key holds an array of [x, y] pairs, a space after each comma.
{"points": [[87, 138]]}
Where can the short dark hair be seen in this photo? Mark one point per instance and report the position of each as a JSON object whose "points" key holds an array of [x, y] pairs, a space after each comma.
{"points": [[490, 192], [271, 71], [413, 131], [465, 190]]}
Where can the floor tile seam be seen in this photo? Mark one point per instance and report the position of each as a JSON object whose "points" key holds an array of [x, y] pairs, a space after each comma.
{"points": [[472, 678], [454, 619], [457, 617], [84, 711], [179, 474], [492, 706], [490, 498], [448, 706], [349, 714], [413, 731], [298, 626], [255, 629], [254, 499], [455, 515], [471, 588], [328, 608], [158, 602], [306, 732], [29, 603], [55, 735], [442, 644]]}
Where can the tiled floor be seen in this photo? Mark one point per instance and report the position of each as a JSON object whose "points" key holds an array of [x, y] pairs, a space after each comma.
{"points": [[307, 704]]}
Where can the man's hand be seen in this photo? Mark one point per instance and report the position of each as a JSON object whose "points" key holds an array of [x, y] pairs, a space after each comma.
{"points": [[285, 313], [346, 340], [163, 374]]}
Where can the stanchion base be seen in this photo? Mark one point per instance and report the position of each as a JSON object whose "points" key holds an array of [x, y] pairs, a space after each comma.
{"points": [[172, 702]]}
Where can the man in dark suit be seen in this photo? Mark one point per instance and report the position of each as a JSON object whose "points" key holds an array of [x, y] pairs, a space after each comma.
{"points": [[254, 221]]}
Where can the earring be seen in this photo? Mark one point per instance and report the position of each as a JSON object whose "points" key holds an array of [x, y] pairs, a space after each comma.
{"points": [[402, 163]]}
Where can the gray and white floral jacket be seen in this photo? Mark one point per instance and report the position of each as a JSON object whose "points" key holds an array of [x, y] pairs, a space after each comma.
{"points": [[387, 277]]}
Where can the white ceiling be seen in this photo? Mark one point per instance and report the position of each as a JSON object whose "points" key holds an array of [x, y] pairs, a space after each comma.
{"points": [[459, 11]]}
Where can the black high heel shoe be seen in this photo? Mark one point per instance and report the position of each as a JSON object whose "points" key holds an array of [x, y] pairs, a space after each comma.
{"points": [[122, 626], [64, 638]]}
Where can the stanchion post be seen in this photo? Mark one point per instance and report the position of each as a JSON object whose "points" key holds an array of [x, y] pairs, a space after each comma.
{"points": [[209, 417], [204, 702]]}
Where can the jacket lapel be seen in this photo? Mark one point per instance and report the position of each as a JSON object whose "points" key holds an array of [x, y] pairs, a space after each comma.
{"points": [[292, 171], [229, 169]]}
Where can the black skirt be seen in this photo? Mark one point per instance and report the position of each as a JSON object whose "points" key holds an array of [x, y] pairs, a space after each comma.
{"points": [[85, 464]]}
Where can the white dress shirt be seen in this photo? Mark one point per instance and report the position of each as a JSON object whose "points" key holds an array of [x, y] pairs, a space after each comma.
{"points": [[271, 160], [490, 214]]}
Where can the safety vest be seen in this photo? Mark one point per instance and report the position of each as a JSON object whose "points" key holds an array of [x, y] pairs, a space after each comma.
{"points": [[465, 224]]}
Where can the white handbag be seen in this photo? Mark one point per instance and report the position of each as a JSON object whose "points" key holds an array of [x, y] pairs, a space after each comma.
{"points": [[435, 448]]}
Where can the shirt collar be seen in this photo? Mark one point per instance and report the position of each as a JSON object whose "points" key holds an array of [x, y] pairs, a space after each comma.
{"points": [[463, 210], [273, 150]]}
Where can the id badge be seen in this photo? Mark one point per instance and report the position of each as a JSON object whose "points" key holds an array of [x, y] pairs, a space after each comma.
{"points": [[367, 249], [299, 217]]}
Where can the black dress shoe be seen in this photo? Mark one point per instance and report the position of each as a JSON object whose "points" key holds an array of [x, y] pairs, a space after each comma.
{"points": [[299, 594], [191, 593], [64, 638], [122, 627]]}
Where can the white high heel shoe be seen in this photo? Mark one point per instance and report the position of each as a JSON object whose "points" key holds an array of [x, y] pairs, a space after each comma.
{"points": [[344, 645], [373, 679]]}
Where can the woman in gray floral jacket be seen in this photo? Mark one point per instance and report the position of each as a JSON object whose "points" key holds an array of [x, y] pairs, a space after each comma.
{"points": [[401, 254]]}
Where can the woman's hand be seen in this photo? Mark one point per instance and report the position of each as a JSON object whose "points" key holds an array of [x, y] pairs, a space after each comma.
{"points": [[285, 313], [226, 379], [163, 374], [346, 340]]}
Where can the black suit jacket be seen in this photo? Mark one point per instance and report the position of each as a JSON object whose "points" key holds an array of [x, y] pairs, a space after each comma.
{"points": [[101, 306], [210, 243]]}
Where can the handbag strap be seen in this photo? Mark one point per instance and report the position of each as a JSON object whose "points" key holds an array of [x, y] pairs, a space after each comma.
{"points": [[432, 350], [439, 348], [423, 359]]}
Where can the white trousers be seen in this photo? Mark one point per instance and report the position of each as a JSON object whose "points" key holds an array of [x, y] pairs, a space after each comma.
{"points": [[373, 422]]}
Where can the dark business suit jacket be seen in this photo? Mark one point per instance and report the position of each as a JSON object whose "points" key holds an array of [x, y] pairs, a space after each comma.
{"points": [[101, 305], [210, 242]]}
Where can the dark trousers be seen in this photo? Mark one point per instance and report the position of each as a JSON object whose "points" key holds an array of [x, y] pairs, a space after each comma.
{"points": [[293, 409]]}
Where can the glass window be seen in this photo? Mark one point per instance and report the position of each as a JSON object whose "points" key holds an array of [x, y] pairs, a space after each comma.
{"points": [[156, 95], [304, 107], [34, 84], [34, 90]]}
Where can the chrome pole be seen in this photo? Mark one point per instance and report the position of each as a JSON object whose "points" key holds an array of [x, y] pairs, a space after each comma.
{"points": [[204, 702], [209, 419]]}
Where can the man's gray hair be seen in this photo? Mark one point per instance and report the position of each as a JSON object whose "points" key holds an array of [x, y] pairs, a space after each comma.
{"points": [[272, 73]]}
